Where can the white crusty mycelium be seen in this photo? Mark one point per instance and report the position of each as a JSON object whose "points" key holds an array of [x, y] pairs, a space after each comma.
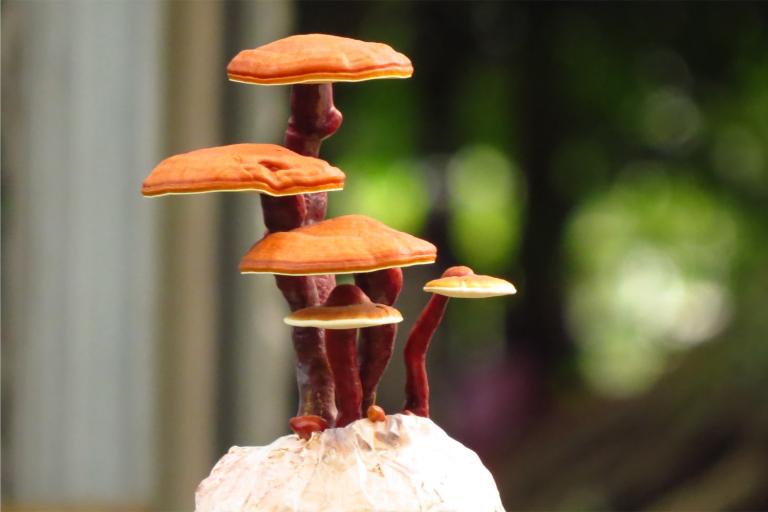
{"points": [[403, 463]]}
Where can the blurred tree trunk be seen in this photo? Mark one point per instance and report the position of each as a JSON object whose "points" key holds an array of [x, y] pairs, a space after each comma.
{"points": [[187, 357], [223, 351], [536, 324], [81, 91], [255, 351]]}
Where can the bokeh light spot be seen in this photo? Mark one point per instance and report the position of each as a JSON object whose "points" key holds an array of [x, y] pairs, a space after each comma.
{"points": [[670, 119], [392, 192], [486, 198], [650, 265], [738, 155]]}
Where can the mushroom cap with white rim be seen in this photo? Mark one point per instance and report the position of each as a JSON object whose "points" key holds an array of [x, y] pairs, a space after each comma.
{"points": [[470, 287], [355, 316], [401, 464]]}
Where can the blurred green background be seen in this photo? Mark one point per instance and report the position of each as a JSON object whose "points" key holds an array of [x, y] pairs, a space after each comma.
{"points": [[609, 159]]}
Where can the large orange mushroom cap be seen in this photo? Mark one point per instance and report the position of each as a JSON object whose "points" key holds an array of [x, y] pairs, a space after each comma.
{"points": [[343, 245], [266, 168], [313, 58]]}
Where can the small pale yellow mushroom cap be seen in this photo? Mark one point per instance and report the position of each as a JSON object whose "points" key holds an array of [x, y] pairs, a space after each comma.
{"points": [[356, 316], [470, 287]]}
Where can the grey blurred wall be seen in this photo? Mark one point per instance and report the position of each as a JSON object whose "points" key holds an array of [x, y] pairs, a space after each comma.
{"points": [[114, 305], [81, 125]]}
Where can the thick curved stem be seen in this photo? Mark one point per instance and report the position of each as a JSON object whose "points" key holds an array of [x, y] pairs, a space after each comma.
{"points": [[313, 118], [313, 375], [342, 356], [376, 347], [381, 286], [377, 343], [283, 213], [416, 383]]}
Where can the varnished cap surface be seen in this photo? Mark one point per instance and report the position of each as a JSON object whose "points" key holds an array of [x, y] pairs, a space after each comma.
{"points": [[317, 58], [266, 168], [470, 286], [355, 316], [344, 245]]}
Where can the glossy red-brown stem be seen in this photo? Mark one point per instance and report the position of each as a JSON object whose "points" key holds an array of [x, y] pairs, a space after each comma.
{"points": [[416, 381], [304, 426], [313, 119], [342, 355], [377, 343]]}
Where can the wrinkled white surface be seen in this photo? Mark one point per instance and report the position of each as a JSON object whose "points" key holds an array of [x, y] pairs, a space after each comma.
{"points": [[404, 463]]}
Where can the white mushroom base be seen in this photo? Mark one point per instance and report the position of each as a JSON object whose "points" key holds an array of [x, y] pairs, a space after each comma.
{"points": [[404, 463]]}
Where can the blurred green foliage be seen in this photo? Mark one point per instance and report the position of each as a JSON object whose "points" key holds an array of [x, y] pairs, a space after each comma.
{"points": [[655, 229], [631, 140], [650, 272], [486, 203]]}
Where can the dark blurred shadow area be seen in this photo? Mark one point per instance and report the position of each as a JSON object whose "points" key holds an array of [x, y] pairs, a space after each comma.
{"points": [[610, 159]]}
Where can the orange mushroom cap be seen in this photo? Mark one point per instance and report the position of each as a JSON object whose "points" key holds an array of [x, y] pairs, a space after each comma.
{"points": [[313, 58], [266, 168], [343, 245]]}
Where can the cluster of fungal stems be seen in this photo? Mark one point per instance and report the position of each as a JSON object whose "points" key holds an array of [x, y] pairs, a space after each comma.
{"points": [[337, 374]]}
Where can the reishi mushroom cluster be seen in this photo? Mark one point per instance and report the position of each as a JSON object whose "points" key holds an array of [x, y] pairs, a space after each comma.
{"points": [[343, 336]]}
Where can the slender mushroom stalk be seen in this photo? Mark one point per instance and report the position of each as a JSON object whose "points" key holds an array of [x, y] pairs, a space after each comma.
{"points": [[377, 343], [415, 353], [342, 355], [455, 282], [416, 382], [313, 119]]}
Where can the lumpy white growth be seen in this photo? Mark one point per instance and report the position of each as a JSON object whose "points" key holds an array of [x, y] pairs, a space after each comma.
{"points": [[404, 463]]}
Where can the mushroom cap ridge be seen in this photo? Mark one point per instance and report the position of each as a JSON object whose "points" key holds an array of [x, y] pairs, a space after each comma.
{"points": [[266, 168], [342, 245], [315, 58]]}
